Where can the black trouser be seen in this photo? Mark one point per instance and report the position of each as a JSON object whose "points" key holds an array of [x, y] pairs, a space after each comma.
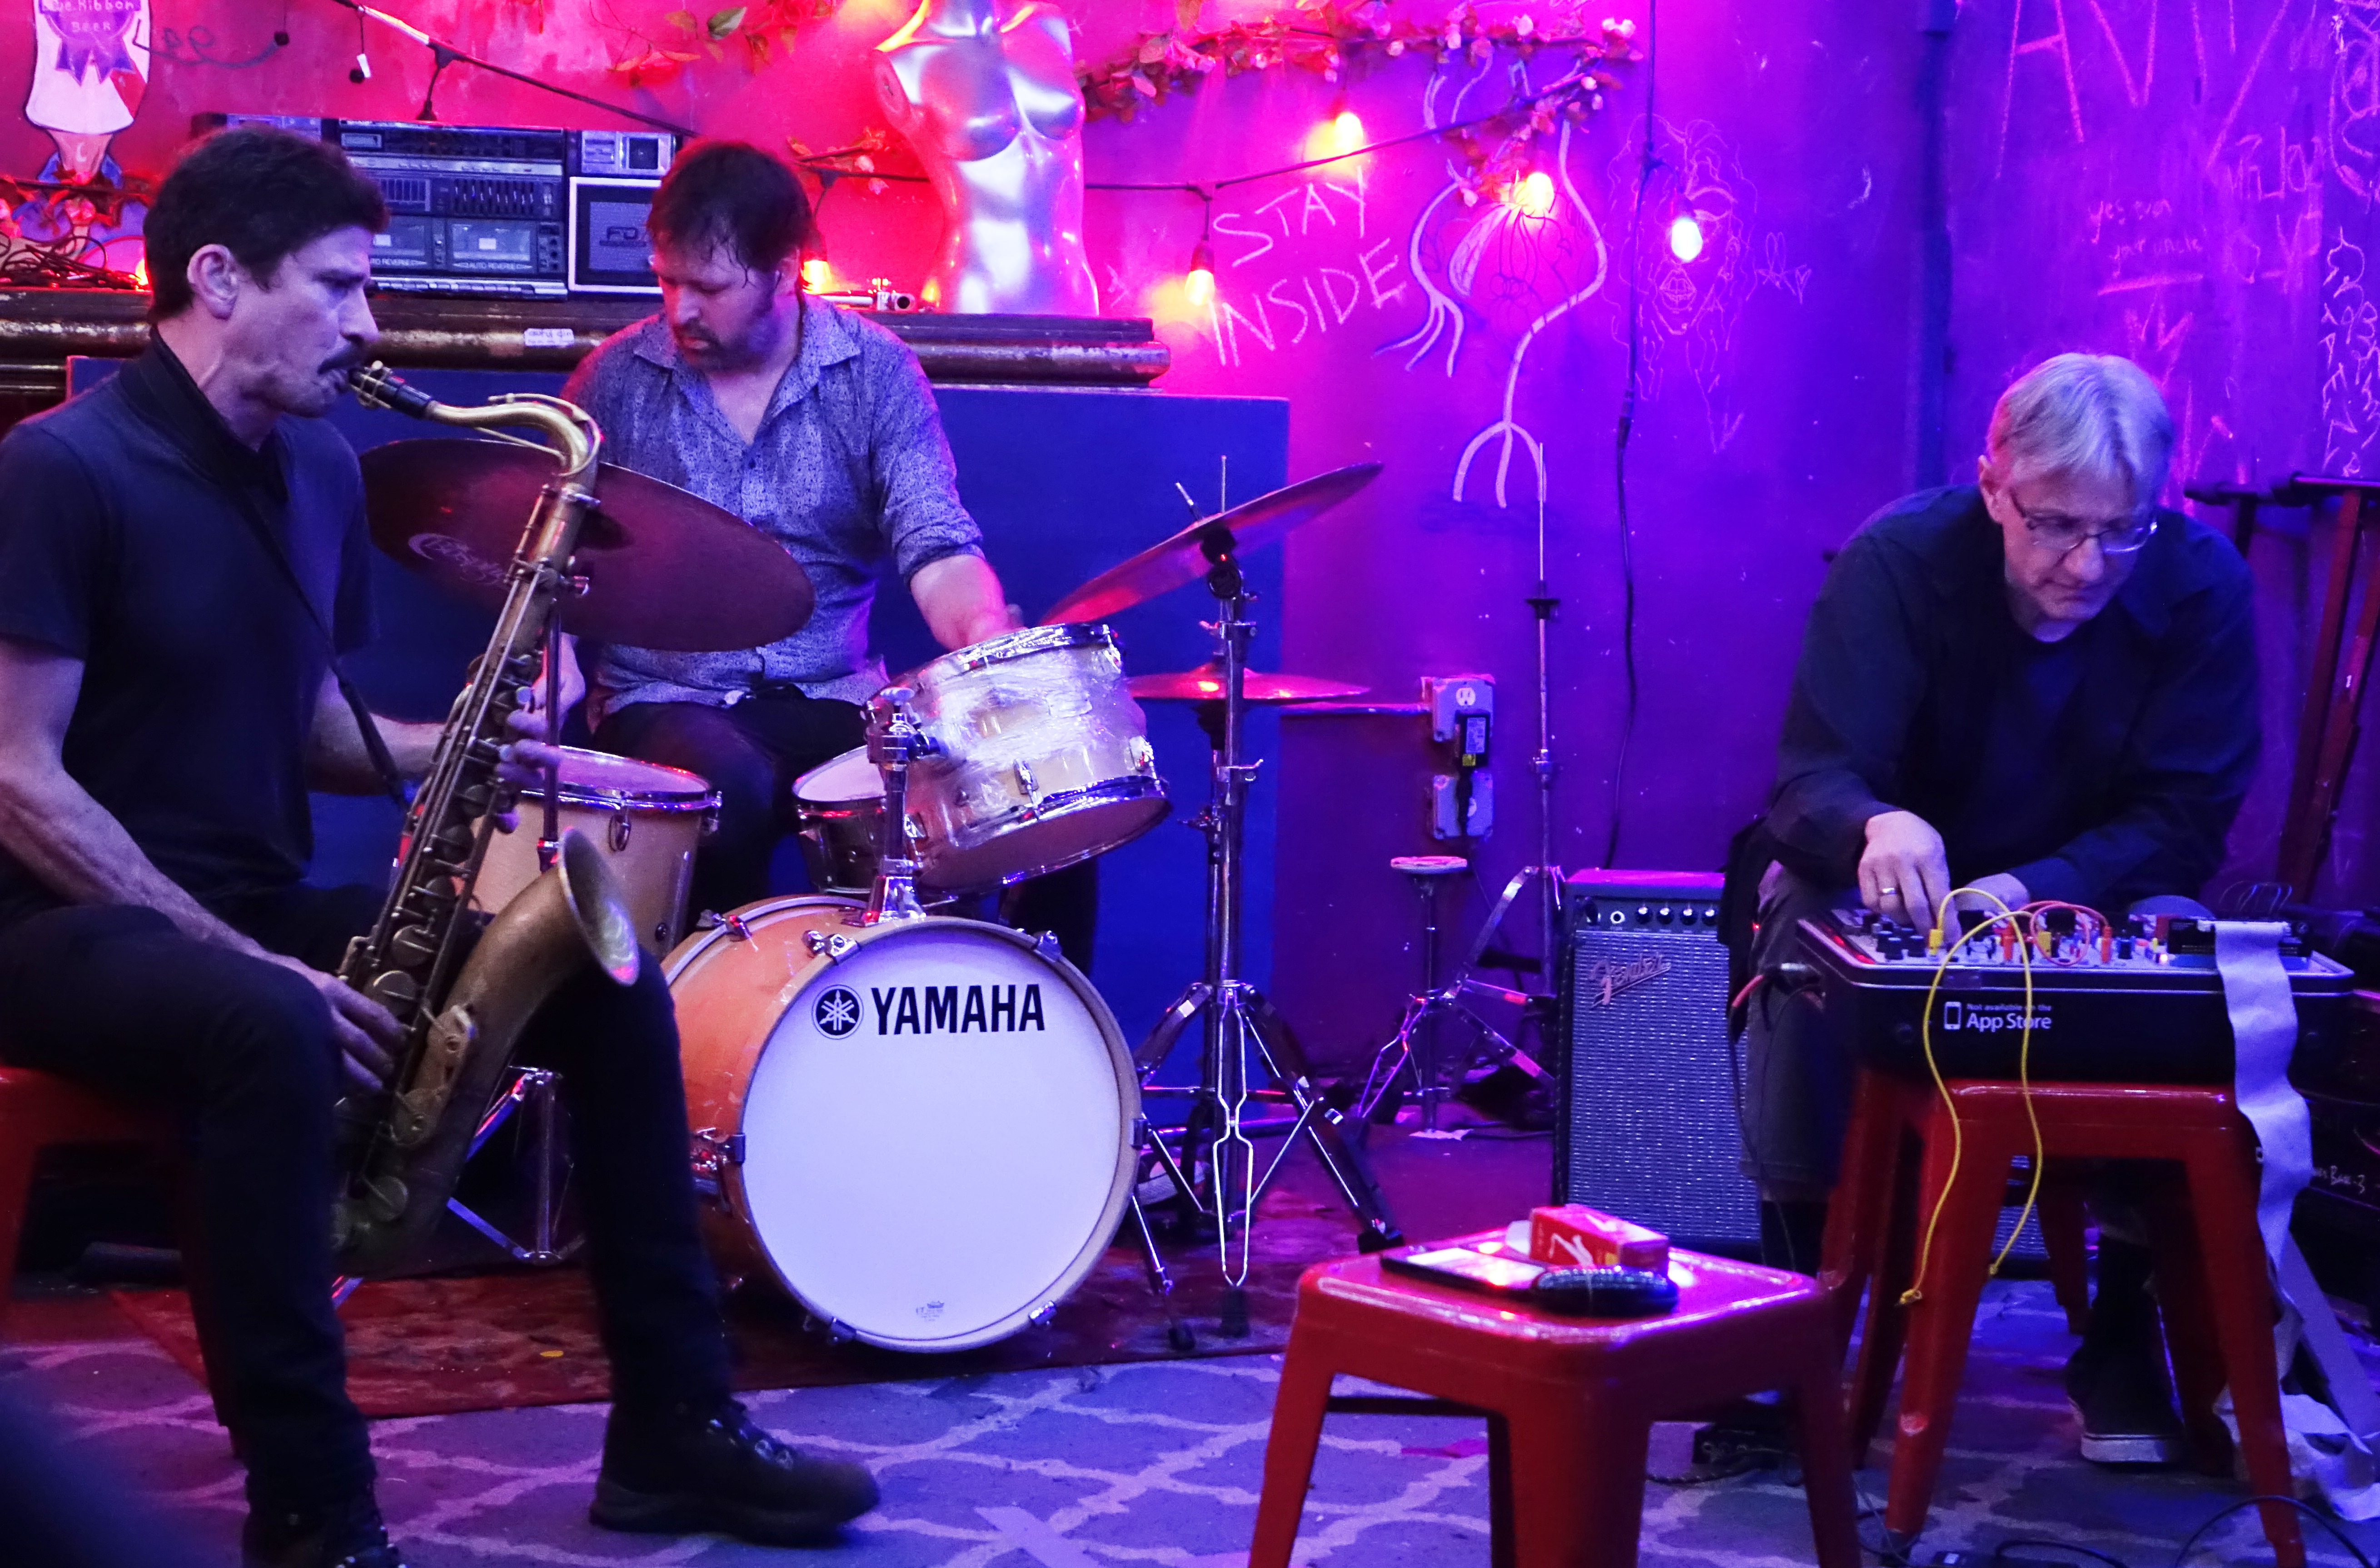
{"points": [[117, 998], [751, 754]]}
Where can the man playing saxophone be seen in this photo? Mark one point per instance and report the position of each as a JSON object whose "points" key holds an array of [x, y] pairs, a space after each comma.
{"points": [[181, 564]]}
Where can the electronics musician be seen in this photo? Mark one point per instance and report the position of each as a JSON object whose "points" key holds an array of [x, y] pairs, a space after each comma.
{"points": [[2041, 685], [817, 428]]}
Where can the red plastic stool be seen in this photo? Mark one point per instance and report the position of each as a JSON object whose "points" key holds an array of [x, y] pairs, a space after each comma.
{"points": [[2212, 1286], [1571, 1401], [39, 1111]]}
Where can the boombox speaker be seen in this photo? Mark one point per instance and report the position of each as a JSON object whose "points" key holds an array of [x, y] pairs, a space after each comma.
{"points": [[1648, 1128]]}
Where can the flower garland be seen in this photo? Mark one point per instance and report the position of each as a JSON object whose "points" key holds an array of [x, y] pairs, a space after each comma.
{"points": [[762, 28], [1321, 36]]}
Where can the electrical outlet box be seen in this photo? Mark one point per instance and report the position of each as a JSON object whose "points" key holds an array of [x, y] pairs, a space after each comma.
{"points": [[1450, 698], [1443, 805]]}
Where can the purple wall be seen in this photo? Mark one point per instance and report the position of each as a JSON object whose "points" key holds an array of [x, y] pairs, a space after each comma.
{"points": [[2151, 181], [1775, 413]]}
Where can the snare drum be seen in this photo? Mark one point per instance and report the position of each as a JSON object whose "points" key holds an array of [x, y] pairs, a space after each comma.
{"points": [[923, 1129], [646, 819], [1036, 757]]}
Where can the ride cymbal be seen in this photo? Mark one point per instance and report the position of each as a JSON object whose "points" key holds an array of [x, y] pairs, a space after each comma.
{"points": [[662, 569], [1182, 558]]}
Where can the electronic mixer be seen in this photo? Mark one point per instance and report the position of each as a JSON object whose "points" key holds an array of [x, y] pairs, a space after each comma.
{"points": [[2134, 1000]]}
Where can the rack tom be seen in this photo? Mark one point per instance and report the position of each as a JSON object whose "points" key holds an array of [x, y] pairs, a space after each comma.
{"points": [[646, 819]]}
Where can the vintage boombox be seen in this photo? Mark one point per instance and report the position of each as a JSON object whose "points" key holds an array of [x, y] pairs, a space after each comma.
{"points": [[501, 210]]}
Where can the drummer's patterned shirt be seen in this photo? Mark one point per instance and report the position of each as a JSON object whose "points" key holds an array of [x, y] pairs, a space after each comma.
{"points": [[849, 471]]}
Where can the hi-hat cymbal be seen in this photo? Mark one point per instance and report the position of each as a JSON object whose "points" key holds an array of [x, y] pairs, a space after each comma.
{"points": [[1205, 683], [1182, 559], [664, 568]]}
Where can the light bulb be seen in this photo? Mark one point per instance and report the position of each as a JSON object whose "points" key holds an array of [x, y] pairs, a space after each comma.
{"points": [[1685, 237], [1532, 196], [1346, 131], [1198, 282], [140, 272], [818, 276]]}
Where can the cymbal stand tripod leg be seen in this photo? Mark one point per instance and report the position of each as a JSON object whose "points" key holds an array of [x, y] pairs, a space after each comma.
{"points": [[1215, 1148]]}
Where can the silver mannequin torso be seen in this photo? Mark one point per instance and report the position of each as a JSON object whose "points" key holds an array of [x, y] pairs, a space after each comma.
{"points": [[991, 109]]}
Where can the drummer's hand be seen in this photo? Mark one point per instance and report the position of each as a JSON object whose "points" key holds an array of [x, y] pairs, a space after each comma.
{"points": [[522, 765], [531, 718]]}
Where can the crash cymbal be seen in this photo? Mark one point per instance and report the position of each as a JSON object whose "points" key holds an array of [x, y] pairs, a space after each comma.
{"points": [[664, 568], [1205, 683], [1162, 568]]}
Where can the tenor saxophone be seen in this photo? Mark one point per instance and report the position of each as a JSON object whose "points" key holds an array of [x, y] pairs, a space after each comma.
{"points": [[462, 1015]]}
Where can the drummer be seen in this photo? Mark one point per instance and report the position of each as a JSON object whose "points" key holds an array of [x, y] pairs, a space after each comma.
{"points": [[819, 429]]}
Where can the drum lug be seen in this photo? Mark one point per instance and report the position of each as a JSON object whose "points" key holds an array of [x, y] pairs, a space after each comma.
{"points": [[1045, 947], [840, 1332], [1042, 1315], [714, 1151], [620, 832], [1143, 755], [832, 946], [1025, 782], [731, 923]]}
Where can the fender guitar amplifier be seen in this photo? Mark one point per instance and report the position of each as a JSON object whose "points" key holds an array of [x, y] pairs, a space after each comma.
{"points": [[1647, 1129]]}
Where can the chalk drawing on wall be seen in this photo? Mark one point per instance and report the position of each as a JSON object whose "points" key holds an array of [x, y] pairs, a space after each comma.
{"points": [[1443, 101], [2354, 101], [1320, 266], [2350, 362], [1502, 240], [1689, 309]]}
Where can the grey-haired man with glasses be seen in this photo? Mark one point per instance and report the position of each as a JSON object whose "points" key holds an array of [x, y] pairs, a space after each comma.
{"points": [[2040, 686]]}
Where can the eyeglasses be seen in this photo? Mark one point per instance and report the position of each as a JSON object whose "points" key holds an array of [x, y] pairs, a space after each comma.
{"points": [[2062, 533]]}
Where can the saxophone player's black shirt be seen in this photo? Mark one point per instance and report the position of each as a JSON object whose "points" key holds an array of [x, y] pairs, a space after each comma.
{"points": [[129, 540]]}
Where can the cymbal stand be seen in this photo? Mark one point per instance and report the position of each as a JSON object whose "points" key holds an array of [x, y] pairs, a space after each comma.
{"points": [[1211, 1159]]}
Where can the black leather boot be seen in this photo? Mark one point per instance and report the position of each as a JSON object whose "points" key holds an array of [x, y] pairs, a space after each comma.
{"points": [[347, 1534], [684, 1469]]}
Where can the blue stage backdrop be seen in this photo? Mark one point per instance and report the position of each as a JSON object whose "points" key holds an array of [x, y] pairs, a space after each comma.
{"points": [[1066, 482]]}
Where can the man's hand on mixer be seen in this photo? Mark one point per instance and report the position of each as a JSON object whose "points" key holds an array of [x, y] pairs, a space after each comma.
{"points": [[2000, 885], [368, 1033], [1904, 874]]}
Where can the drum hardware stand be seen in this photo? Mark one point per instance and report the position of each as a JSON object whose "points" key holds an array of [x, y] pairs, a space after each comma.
{"points": [[533, 1090], [893, 742], [549, 838], [1216, 1140]]}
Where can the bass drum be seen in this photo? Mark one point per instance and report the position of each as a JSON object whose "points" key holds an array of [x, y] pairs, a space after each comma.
{"points": [[923, 1129]]}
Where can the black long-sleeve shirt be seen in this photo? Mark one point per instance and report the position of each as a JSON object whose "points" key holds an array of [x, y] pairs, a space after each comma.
{"points": [[2100, 768]]}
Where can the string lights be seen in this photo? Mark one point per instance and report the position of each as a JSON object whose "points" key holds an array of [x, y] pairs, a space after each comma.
{"points": [[1685, 237], [1532, 196]]}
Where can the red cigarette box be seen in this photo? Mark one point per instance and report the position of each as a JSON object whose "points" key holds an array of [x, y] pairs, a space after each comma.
{"points": [[1570, 1234]]}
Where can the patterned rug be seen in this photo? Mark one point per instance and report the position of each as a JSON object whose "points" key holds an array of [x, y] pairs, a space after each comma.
{"points": [[526, 1337]]}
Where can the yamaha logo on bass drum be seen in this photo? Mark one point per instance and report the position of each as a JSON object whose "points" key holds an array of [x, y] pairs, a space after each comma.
{"points": [[932, 1010]]}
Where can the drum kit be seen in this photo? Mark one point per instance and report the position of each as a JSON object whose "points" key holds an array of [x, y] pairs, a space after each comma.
{"points": [[1021, 1146]]}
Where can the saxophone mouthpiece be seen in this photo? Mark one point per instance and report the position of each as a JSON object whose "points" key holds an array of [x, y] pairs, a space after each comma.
{"points": [[377, 387]]}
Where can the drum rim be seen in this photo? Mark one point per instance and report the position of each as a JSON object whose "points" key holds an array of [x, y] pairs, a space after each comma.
{"points": [[1009, 646], [1109, 792], [694, 944], [1095, 1247], [700, 797], [837, 760]]}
